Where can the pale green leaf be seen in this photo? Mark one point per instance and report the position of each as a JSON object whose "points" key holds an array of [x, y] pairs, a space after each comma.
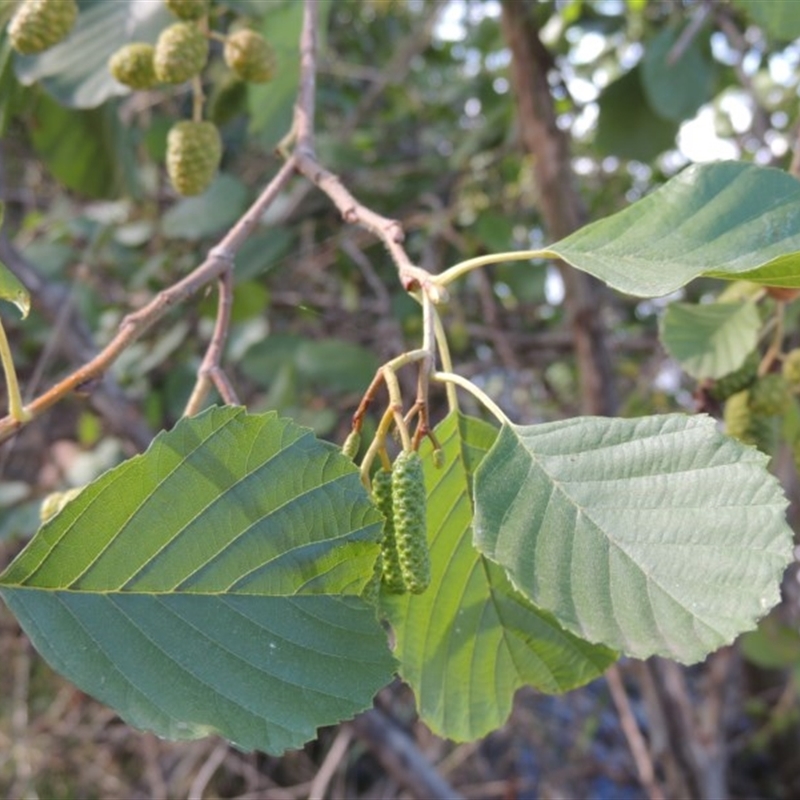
{"points": [[656, 535], [468, 642], [725, 220], [75, 71], [211, 585], [711, 340]]}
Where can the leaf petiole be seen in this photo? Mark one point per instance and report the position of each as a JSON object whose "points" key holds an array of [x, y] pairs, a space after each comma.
{"points": [[15, 407], [464, 267], [479, 394]]}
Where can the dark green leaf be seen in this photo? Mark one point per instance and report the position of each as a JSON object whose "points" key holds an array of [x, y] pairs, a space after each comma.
{"points": [[627, 127], [211, 585]]}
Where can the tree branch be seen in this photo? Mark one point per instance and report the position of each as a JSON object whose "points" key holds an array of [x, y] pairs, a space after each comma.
{"points": [[219, 259], [562, 208]]}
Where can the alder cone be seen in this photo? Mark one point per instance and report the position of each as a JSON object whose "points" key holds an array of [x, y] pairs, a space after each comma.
{"points": [[410, 521], [187, 9], [770, 396], [790, 369], [181, 53], [39, 24], [194, 150], [249, 55], [748, 427], [132, 65]]}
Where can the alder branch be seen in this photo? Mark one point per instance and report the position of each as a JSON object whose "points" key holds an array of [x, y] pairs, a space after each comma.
{"points": [[218, 261], [389, 231], [211, 372]]}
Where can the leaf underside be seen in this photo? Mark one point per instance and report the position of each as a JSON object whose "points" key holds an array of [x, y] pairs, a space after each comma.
{"points": [[653, 536], [211, 585], [469, 641], [727, 220], [710, 340]]}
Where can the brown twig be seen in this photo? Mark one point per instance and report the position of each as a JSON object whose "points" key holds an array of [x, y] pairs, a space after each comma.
{"points": [[389, 231], [133, 326], [210, 372], [561, 206], [332, 761], [401, 758], [636, 742]]}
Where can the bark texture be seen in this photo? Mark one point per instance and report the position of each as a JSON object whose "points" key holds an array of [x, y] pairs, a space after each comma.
{"points": [[561, 206]]}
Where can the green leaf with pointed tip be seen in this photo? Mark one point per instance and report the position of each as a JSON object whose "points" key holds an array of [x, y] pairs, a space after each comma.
{"points": [[468, 642], [725, 220], [656, 535], [211, 585], [711, 340]]}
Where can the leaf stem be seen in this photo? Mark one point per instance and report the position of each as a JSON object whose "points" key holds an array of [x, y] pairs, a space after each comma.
{"points": [[463, 267], [15, 408], [479, 394]]}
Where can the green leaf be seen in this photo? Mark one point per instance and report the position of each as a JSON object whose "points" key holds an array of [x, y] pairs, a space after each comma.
{"points": [[75, 71], [11, 288], [656, 535], [711, 340], [675, 91], [211, 585], [468, 642], [724, 220], [627, 127], [215, 209], [780, 20], [85, 150]]}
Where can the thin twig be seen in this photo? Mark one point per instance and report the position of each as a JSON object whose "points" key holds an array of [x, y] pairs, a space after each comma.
{"points": [[389, 231], [206, 772], [401, 758], [134, 325], [636, 742], [331, 763], [210, 371]]}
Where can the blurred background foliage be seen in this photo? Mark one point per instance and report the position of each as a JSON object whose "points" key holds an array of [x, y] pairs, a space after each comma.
{"points": [[416, 112]]}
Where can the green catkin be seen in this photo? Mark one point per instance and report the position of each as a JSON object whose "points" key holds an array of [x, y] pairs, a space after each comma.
{"points": [[791, 369], [738, 380], [352, 444], [743, 424], [770, 396], [391, 575], [410, 521]]}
